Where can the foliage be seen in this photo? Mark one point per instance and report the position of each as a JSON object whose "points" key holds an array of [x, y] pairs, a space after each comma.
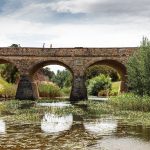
{"points": [[138, 69], [49, 89], [6, 89], [15, 45], [16, 111], [99, 83], [47, 72], [103, 93], [96, 70], [8, 71], [63, 78], [66, 91], [114, 91], [131, 102]]}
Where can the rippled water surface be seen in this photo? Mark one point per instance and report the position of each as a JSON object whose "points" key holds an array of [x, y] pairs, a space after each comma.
{"points": [[67, 132]]}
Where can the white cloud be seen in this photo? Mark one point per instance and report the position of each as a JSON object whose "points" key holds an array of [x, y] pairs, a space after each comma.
{"points": [[36, 22], [71, 35]]}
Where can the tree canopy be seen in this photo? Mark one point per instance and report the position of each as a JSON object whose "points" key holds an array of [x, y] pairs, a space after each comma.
{"points": [[138, 69]]}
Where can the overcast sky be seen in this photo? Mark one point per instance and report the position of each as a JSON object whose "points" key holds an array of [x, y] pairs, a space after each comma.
{"points": [[72, 23]]}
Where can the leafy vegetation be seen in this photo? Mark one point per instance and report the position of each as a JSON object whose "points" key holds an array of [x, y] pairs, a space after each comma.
{"points": [[49, 89], [66, 91], [138, 69], [7, 90], [131, 102], [99, 83], [131, 113], [96, 70], [8, 71], [62, 78]]}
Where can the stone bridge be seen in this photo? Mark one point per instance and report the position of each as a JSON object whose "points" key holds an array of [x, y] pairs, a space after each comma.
{"points": [[77, 60]]}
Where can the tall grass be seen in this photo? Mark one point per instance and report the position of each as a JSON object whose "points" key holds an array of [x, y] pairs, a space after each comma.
{"points": [[131, 102], [49, 89], [7, 90], [66, 91]]}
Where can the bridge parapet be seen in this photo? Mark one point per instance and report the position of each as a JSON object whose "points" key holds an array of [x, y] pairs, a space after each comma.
{"points": [[67, 52]]}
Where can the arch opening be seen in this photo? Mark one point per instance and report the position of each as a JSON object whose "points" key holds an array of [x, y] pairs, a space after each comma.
{"points": [[52, 79], [9, 78], [111, 76]]}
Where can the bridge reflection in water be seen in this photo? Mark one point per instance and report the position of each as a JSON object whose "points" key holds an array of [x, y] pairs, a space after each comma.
{"points": [[2, 127], [52, 123], [103, 126]]}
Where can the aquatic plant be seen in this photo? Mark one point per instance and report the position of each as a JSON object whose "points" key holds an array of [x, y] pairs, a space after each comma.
{"points": [[131, 101]]}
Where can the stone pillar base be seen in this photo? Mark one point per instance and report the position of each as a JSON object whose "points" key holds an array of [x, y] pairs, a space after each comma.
{"points": [[123, 87], [27, 90], [79, 91]]}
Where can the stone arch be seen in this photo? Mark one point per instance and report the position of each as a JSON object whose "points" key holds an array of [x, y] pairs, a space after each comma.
{"points": [[115, 64], [41, 64], [5, 61]]}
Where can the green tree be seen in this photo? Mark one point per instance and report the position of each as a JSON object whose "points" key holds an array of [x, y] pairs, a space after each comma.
{"points": [[9, 72], [15, 45], [63, 78], [47, 72], [138, 69]]}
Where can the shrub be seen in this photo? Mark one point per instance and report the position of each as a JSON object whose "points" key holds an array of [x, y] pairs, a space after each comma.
{"points": [[66, 91], [99, 83], [113, 92], [103, 93], [49, 89], [131, 102], [7, 89]]}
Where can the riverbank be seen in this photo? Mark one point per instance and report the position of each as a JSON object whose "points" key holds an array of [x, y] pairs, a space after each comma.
{"points": [[131, 109]]}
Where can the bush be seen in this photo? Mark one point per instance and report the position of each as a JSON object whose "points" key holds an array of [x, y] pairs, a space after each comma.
{"points": [[99, 83], [113, 92], [131, 102], [49, 89], [103, 93], [66, 91], [7, 90]]}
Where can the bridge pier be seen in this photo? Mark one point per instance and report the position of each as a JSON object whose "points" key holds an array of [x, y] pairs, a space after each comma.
{"points": [[78, 91], [123, 87], [27, 89]]}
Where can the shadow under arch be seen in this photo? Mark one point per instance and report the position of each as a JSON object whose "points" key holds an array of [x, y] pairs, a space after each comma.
{"points": [[41, 64], [118, 66]]}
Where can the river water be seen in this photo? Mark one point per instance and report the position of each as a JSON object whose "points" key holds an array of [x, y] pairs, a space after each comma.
{"points": [[69, 132]]}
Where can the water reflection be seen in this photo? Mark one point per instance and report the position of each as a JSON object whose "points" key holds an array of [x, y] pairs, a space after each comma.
{"points": [[58, 104], [91, 134], [100, 126], [123, 143], [2, 127], [55, 124]]}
